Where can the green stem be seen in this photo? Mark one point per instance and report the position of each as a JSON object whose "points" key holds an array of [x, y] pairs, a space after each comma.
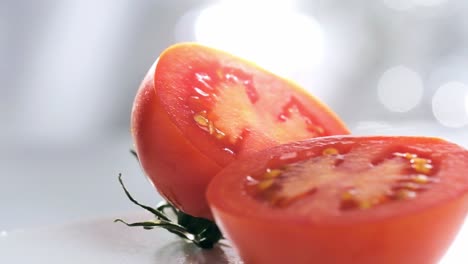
{"points": [[202, 232]]}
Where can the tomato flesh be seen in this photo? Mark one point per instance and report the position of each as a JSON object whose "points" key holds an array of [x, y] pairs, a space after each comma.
{"points": [[199, 109], [227, 105], [401, 176], [336, 199], [247, 107]]}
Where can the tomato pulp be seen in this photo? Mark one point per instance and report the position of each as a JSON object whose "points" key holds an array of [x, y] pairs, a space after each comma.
{"points": [[199, 108], [344, 199]]}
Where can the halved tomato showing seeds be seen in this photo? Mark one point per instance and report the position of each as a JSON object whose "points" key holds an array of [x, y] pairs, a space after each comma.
{"points": [[344, 199], [198, 109]]}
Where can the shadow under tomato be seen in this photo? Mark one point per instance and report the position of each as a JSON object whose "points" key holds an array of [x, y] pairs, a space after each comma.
{"points": [[221, 253]]}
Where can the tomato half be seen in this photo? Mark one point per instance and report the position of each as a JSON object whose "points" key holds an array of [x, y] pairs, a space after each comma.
{"points": [[344, 199], [199, 108]]}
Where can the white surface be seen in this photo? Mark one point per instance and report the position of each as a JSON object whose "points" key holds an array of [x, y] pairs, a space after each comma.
{"points": [[102, 241], [48, 186]]}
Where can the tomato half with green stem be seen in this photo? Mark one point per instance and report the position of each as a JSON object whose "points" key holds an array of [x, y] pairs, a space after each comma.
{"points": [[198, 109], [344, 200]]}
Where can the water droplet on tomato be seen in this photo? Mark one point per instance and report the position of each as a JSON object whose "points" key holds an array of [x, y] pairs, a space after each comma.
{"points": [[201, 92], [231, 77], [251, 181], [230, 151], [289, 155], [204, 79]]}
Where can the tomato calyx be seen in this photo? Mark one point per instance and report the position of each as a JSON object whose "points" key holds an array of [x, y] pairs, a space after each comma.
{"points": [[199, 231]]}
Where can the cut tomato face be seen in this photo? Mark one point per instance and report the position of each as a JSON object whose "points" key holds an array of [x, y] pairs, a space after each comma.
{"points": [[198, 109], [344, 199]]}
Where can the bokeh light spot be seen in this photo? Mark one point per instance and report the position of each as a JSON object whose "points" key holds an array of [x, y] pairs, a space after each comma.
{"points": [[400, 89], [450, 104], [280, 40]]}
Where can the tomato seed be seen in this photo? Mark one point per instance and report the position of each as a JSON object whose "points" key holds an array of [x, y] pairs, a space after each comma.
{"points": [[406, 155], [211, 128], [348, 194], [201, 119], [422, 167], [317, 129], [265, 184], [365, 204], [272, 173], [330, 151], [420, 178], [349, 200], [283, 191], [405, 194], [420, 161]]}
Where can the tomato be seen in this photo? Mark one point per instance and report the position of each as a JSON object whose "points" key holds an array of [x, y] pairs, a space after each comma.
{"points": [[344, 199], [198, 109]]}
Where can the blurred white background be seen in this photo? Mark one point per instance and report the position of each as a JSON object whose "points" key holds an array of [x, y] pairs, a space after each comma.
{"points": [[69, 71]]}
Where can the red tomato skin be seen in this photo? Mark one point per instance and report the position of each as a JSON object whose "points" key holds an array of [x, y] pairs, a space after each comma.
{"points": [[262, 235], [403, 240], [176, 155], [174, 166]]}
